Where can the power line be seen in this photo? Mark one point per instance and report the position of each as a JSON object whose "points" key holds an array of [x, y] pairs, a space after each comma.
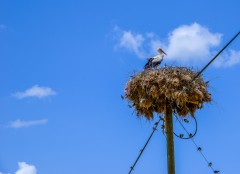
{"points": [[142, 150], [190, 135], [205, 67], [198, 147]]}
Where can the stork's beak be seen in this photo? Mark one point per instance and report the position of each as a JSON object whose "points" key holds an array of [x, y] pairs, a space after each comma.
{"points": [[163, 52], [160, 50]]}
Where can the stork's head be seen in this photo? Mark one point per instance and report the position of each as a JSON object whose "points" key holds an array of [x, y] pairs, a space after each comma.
{"points": [[161, 51]]}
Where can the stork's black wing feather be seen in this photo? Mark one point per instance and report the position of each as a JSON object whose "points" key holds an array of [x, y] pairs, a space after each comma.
{"points": [[148, 64], [156, 64]]}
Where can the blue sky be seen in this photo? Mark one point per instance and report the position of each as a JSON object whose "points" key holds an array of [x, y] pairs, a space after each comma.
{"points": [[64, 65]]}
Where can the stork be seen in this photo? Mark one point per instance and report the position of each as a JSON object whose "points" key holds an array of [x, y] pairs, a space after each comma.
{"points": [[153, 62]]}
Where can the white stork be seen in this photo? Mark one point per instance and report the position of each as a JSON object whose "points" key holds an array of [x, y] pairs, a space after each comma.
{"points": [[153, 62]]}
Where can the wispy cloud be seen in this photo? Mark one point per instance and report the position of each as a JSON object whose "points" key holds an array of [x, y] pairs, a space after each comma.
{"points": [[24, 168], [139, 44], [20, 124], [132, 42], [228, 59], [187, 44], [35, 91]]}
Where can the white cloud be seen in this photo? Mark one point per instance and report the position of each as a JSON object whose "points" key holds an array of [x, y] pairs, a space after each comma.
{"points": [[19, 123], [230, 58], [187, 45], [35, 91], [139, 44], [132, 42], [25, 168], [191, 43]]}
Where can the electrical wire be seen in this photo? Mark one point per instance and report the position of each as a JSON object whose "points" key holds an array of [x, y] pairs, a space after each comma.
{"points": [[205, 67], [190, 135], [142, 150], [198, 147]]}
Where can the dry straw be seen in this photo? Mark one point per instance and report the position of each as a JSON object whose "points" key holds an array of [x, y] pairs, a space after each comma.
{"points": [[148, 90]]}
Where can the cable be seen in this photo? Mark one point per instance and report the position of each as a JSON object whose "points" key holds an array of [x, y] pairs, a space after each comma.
{"points": [[142, 150], [198, 147], [200, 72], [190, 135]]}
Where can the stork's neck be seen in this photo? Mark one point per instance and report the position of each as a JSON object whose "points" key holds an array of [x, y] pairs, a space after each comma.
{"points": [[162, 54]]}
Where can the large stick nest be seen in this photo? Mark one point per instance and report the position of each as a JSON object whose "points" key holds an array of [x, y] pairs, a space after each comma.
{"points": [[148, 90]]}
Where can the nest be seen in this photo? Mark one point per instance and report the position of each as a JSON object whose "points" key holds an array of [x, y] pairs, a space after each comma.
{"points": [[148, 90]]}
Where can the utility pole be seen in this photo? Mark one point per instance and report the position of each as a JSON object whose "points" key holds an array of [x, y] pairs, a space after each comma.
{"points": [[170, 138], [167, 115], [168, 118]]}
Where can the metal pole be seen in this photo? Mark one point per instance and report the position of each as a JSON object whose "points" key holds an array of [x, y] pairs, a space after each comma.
{"points": [[169, 134]]}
